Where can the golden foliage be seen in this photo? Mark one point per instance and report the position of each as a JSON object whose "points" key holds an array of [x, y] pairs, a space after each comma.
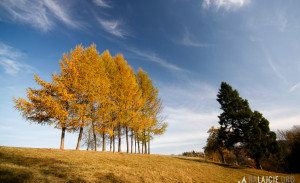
{"points": [[95, 89]]}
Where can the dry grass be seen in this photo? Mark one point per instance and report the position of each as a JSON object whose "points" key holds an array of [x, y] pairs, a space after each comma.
{"points": [[52, 165]]}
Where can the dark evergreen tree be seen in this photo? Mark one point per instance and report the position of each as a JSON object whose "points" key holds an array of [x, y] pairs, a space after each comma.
{"points": [[235, 117], [261, 142], [242, 127]]}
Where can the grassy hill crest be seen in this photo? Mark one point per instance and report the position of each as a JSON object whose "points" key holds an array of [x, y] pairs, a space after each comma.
{"points": [[53, 165]]}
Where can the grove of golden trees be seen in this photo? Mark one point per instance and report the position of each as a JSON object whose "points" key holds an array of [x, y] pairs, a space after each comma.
{"points": [[100, 94]]}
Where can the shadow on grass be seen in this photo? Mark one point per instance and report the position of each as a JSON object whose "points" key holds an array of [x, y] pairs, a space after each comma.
{"points": [[14, 175], [211, 162], [243, 169], [17, 168], [110, 177]]}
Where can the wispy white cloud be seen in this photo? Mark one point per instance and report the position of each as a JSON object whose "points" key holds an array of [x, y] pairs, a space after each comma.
{"points": [[294, 87], [269, 58], [274, 68], [191, 109], [189, 40], [153, 57], [61, 13], [40, 14], [10, 52], [102, 3], [185, 127], [273, 20], [282, 117], [8, 56], [225, 4], [173, 140], [113, 27], [194, 94], [281, 22]]}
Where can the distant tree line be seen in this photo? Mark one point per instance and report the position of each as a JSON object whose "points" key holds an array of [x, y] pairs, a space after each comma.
{"points": [[244, 137], [193, 154], [99, 96], [289, 141]]}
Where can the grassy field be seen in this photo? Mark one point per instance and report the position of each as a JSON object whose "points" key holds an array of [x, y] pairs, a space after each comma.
{"points": [[52, 165]]}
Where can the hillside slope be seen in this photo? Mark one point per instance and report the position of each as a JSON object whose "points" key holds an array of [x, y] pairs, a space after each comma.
{"points": [[52, 165]]}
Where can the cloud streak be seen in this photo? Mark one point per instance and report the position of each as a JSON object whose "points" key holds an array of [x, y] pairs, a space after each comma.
{"points": [[102, 3], [225, 4], [189, 40], [113, 27], [293, 88], [153, 57], [39, 14], [269, 58], [8, 56]]}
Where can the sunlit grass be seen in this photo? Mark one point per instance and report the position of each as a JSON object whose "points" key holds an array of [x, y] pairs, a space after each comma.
{"points": [[52, 165]]}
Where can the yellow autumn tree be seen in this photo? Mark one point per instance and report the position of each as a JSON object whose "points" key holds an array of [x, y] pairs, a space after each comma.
{"points": [[83, 75], [125, 98], [151, 120], [110, 124], [75, 97], [48, 105]]}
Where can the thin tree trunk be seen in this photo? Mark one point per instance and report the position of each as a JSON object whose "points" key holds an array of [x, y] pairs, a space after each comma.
{"points": [[79, 138], [127, 140], [138, 146], [119, 135], [104, 143], [149, 147], [142, 147], [62, 141], [145, 147], [110, 143], [114, 143], [222, 156], [258, 165], [135, 144], [95, 137], [89, 142], [131, 141]]}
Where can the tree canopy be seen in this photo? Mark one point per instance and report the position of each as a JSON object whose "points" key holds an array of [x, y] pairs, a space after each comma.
{"points": [[98, 92], [240, 126]]}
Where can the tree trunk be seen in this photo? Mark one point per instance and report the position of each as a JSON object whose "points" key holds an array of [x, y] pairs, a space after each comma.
{"points": [[110, 143], [95, 137], [119, 135], [142, 147], [145, 147], [149, 147], [258, 165], [135, 144], [62, 141], [89, 142], [104, 143], [222, 155], [131, 141], [114, 143], [79, 138], [138, 146], [127, 141], [144, 143]]}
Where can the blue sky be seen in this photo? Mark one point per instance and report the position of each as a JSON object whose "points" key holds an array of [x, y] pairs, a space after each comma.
{"points": [[188, 47]]}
